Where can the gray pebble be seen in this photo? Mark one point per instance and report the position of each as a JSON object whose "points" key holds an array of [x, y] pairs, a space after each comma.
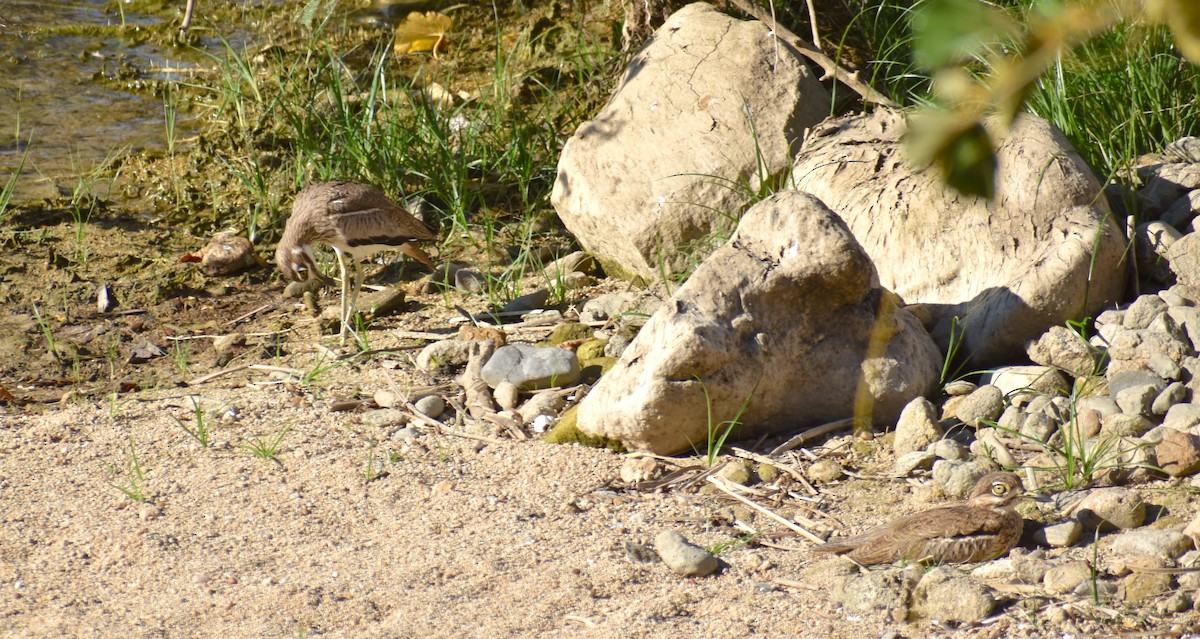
{"points": [[683, 557], [947, 595], [431, 405], [1111, 508], [1059, 535], [949, 449], [916, 460], [384, 417], [1067, 576], [960, 387], [528, 302], [984, 404], [958, 478], [530, 367], [444, 354], [1149, 541], [1174, 393], [917, 427]]}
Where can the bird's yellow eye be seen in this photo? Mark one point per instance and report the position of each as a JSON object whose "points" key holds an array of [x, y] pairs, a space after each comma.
{"points": [[999, 489]]}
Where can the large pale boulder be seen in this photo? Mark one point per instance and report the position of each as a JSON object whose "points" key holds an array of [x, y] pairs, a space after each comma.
{"points": [[707, 110], [779, 320], [1045, 250]]}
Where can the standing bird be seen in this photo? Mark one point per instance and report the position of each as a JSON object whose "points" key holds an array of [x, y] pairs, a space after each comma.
{"points": [[354, 219], [984, 527]]}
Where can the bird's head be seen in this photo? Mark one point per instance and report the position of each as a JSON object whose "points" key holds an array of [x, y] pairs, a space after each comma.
{"points": [[297, 263], [996, 490]]}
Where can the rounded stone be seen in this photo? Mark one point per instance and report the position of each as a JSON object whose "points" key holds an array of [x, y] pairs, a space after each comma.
{"points": [[683, 557], [1111, 508], [984, 404], [1065, 577], [431, 405]]}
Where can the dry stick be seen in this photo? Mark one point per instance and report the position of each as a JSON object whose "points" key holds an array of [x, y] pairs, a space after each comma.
{"points": [[832, 70], [253, 367], [717, 481], [187, 19], [812, 20], [811, 433], [250, 314]]}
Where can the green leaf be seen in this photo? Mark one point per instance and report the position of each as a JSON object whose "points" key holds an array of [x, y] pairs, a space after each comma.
{"points": [[949, 31], [959, 147]]}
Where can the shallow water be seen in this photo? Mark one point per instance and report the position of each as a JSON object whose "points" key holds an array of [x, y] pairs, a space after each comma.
{"points": [[73, 88]]}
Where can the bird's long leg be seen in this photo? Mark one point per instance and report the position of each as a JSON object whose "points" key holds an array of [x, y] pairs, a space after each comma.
{"points": [[358, 280], [345, 315]]}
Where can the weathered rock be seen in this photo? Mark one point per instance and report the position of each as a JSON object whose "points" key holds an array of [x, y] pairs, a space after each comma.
{"points": [[1059, 535], [647, 177], [1154, 240], [1149, 541], [985, 404], [958, 478], [1143, 310], [960, 387], [1065, 577], [1178, 453], [916, 460], [1140, 586], [1173, 394], [1124, 425], [1131, 350], [1183, 417], [544, 403], [1184, 257], [1040, 427], [1193, 530], [886, 590], [824, 471], [917, 427], [750, 325], [949, 449], [683, 557], [530, 367], [1138, 400], [507, 395], [1008, 269], [431, 405], [1110, 509], [1027, 382], [1063, 348], [444, 353], [527, 302], [947, 595]]}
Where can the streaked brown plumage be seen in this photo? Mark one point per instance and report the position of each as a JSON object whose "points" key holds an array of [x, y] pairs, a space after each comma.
{"points": [[356, 220], [984, 527]]}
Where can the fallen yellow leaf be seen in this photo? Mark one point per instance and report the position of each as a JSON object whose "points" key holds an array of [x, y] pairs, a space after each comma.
{"points": [[422, 32]]}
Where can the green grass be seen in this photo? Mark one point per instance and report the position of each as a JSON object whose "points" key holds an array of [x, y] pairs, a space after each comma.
{"points": [[343, 107], [200, 431], [134, 486], [266, 447]]}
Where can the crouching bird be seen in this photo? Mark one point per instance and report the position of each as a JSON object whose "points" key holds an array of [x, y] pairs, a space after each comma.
{"points": [[356, 220], [984, 527]]}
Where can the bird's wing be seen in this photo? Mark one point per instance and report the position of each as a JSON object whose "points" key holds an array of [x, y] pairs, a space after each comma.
{"points": [[951, 521], [381, 225], [933, 532]]}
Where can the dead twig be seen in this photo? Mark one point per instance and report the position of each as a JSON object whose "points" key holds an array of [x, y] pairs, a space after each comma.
{"points": [[254, 367], [811, 433]]}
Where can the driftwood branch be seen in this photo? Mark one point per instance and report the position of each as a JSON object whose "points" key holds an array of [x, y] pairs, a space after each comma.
{"points": [[832, 69]]}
